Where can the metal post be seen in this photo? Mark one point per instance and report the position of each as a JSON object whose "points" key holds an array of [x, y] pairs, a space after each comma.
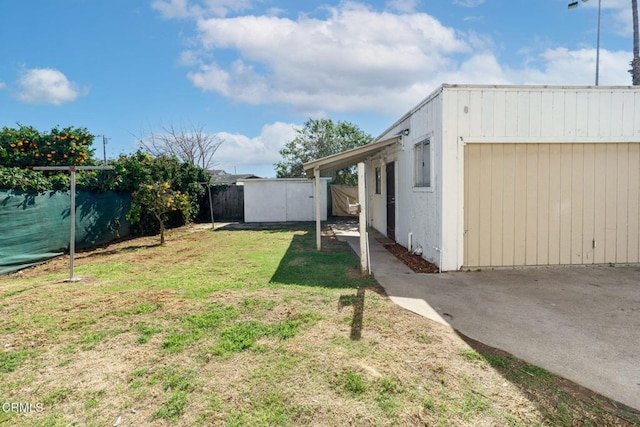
{"points": [[598, 45], [72, 213], [573, 5], [211, 206], [72, 221]]}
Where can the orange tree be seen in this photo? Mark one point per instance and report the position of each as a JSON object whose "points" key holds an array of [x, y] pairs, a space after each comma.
{"points": [[26, 147], [134, 172], [159, 199]]}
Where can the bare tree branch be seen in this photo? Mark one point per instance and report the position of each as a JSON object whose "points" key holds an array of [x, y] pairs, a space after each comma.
{"points": [[190, 144]]}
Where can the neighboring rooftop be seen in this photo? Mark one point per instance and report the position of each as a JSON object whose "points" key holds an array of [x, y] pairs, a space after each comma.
{"points": [[218, 176]]}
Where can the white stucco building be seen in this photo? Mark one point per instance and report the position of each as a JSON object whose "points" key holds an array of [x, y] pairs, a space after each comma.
{"points": [[493, 176]]}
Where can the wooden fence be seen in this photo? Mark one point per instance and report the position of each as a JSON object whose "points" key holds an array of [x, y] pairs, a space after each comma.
{"points": [[228, 202]]}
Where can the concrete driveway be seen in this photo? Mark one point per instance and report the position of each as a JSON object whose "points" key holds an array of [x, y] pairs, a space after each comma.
{"points": [[582, 323]]}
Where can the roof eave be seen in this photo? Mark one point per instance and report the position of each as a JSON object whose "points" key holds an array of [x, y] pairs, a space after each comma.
{"points": [[350, 157]]}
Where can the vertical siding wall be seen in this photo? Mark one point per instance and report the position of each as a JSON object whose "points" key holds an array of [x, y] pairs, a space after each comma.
{"points": [[544, 114], [550, 204], [418, 210], [548, 172]]}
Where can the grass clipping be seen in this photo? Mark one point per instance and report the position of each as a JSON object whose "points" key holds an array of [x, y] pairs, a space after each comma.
{"points": [[252, 328]]}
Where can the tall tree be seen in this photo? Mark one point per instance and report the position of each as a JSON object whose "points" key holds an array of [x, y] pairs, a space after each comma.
{"points": [[188, 143], [635, 64], [320, 138]]}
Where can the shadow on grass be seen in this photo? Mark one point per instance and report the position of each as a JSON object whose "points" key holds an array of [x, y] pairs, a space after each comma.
{"points": [[560, 401], [268, 226], [357, 302], [334, 267], [91, 253]]}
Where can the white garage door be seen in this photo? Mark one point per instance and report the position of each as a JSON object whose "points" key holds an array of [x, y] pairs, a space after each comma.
{"points": [[551, 204]]}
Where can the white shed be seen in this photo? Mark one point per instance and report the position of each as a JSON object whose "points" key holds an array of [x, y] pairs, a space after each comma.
{"points": [[281, 200], [492, 176]]}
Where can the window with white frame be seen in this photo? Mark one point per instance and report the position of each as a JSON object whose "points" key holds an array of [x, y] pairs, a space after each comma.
{"points": [[378, 180], [422, 165]]}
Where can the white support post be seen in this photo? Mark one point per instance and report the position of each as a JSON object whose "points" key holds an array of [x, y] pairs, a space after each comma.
{"points": [[316, 173], [362, 200]]}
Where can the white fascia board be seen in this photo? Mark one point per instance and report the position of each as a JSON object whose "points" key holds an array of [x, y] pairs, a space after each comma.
{"points": [[349, 157]]}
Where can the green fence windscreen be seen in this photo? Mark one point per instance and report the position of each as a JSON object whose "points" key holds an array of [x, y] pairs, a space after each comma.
{"points": [[35, 227]]}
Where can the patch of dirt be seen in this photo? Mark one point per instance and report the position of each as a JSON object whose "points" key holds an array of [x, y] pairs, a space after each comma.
{"points": [[414, 262]]}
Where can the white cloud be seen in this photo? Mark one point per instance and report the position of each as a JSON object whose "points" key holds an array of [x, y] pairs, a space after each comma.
{"points": [[468, 3], [194, 9], [403, 5], [481, 68], [577, 67], [240, 150], [47, 86], [240, 82], [343, 62], [189, 58], [3, 85], [358, 59], [616, 16], [622, 21], [223, 7], [172, 8]]}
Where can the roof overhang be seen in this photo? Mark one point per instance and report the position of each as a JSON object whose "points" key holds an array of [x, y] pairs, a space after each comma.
{"points": [[335, 162]]}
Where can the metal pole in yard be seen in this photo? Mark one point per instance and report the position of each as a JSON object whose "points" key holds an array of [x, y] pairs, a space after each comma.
{"points": [[72, 213], [72, 222], [211, 206], [208, 184]]}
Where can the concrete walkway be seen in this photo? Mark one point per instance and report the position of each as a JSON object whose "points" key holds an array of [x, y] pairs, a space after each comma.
{"points": [[582, 323]]}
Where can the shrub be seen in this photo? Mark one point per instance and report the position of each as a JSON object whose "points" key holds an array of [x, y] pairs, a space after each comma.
{"points": [[25, 147]]}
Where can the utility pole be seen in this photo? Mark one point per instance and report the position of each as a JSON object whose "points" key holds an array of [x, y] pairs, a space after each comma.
{"points": [[104, 148], [635, 63], [105, 140], [573, 5]]}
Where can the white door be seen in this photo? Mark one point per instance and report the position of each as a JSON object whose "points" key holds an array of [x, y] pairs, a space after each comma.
{"points": [[300, 201]]}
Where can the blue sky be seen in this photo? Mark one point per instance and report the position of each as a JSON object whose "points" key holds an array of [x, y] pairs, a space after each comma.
{"points": [[251, 71]]}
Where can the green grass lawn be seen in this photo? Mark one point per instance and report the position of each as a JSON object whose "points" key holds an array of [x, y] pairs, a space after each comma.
{"points": [[250, 328]]}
